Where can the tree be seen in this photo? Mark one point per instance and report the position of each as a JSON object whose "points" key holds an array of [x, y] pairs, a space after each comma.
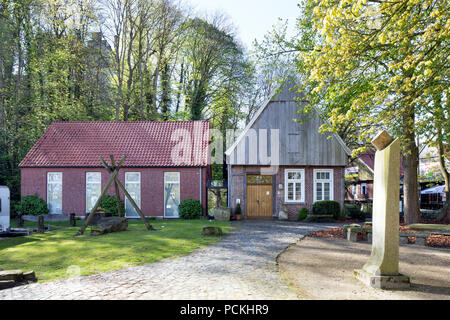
{"points": [[209, 49], [83, 60], [374, 65], [440, 127]]}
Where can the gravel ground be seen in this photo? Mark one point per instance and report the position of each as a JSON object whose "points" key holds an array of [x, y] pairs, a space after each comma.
{"points": [[240, 267], [322, 268]]}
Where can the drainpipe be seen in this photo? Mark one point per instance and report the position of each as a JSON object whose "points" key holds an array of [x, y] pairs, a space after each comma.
{"points": [[229, 186], [201, 200]]}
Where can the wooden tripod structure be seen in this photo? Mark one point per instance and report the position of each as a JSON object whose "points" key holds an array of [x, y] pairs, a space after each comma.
{"points": [[114, 170]]}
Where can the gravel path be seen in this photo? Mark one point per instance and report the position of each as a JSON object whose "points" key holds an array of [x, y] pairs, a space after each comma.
{"points": [[240, 267]]}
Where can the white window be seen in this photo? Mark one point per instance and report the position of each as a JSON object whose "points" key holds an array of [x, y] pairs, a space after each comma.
{"points": [[354, 188], [171, 194], [93, 189], [295, 185], [133, 186], [54, 192], [323, 185], [363, 188]]}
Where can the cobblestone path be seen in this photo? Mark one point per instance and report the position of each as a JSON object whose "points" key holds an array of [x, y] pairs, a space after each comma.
{"points": [[240, 267]]}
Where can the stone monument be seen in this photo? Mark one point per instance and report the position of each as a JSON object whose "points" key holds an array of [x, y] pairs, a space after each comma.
{"points": [[381, 271]]}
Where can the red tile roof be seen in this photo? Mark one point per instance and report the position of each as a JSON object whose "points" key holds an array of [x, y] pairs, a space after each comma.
{"points": [[145, 144]]}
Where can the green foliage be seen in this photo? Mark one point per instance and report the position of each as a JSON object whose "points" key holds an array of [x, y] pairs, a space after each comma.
{"points": [[32, 205], [327, 207], [354, 212], [380, 65], [109, 204], [54, 68], [302, 214], [238, 209], [190, 209], [367, 210]]}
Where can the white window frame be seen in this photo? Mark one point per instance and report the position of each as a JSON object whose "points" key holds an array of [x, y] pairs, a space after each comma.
{"points": [[100, 183], [140, 193], [302, 185], [363, 185], [48, 173], [330, 181], [178, 181]]}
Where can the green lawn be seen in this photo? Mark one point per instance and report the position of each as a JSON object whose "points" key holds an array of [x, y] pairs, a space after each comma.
{"points": [[51, 253]]}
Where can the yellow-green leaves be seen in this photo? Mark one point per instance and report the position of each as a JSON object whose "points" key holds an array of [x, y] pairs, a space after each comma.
{"points": [[377, 60]]}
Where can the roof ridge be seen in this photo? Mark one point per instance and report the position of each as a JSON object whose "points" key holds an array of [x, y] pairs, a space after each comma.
{"points": [[141, 121]]}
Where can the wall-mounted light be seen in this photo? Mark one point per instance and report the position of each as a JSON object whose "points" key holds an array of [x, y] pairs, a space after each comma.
{"points": [[280, 186]]}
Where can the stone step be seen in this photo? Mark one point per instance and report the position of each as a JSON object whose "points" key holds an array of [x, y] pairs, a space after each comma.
{"points": [[417, 235], [29, 276], [6, 284], [14, 275]]}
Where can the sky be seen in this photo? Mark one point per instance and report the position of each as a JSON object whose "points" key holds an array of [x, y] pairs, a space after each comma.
{"points": [[252, 18]]}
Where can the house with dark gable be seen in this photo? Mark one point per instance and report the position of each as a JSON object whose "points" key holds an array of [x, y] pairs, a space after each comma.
{"points": [[281, 159], [359, 177], [166, 162]]}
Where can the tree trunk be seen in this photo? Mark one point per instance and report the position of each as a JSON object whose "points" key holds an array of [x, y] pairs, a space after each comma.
{"points": [[155, 86], [410, 167], [441, 120], [445, 214], [218, 194]]}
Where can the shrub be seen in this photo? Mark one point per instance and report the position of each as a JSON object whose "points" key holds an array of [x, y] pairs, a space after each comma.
{"points": [[302, 214], [32, 205], [367, 209], [190, 209], [355, 212], [109, 204], [238, 209], [327, 207]]}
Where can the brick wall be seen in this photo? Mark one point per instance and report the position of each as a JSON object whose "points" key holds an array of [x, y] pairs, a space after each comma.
{"points": [[34, 180], [238, 187]]}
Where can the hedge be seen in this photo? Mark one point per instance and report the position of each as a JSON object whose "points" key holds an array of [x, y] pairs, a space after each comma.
{"points": [[327, 207], [190, 209]]}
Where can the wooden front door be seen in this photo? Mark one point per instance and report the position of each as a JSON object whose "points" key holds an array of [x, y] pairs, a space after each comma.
{"points": [[259, 196]]}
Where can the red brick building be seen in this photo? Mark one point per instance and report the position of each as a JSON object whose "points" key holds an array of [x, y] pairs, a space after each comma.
{"points": [[166, 163], [281, 159]]}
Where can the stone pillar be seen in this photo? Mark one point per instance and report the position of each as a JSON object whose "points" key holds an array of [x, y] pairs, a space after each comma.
{"points": [[20, 220], [41, 227], [381, 271], [72, 220]]}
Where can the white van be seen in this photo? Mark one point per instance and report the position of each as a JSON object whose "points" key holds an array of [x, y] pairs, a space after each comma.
{"points": [[4, 208]]}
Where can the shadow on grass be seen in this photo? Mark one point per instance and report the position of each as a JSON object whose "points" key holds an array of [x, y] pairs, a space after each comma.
{"points": [[50, 254]]}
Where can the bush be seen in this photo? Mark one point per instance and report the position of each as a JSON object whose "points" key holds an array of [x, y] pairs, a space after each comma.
{"points": [[109, 204], [32, 205], [355, 212], [327, 207], [302, 214], [238, 209], [190, 209], [367, 209]]}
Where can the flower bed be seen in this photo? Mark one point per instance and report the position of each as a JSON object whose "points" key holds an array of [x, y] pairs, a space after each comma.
{"points": [[433, 240]]}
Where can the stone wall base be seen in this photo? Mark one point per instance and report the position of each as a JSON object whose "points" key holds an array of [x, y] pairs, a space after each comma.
{"points": [[382, 282]]}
